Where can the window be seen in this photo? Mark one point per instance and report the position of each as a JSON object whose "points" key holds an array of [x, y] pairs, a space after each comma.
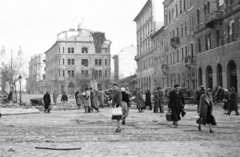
{"points": [[182, 53], [63, 73], [192, 50], [63, 61], [218, 37], [84, 62], [63, 50], [100, 62], [105, 61], [72, 50], [69, 73], [59, 49], [73, 73], [180, 6], [69, 61], [209, 41], [177, 32], [199, 45], [59, 61], [205, 10], [190, 24], [84, 50], [73, 61], [69, 50], [198, 16], [169, 16], [96, 61], [176, 10], [100, 73], [182, 29], [172, 13], [185, 28], [177, 56], [105, 73], [184, 5], [208, 7], [206, 42], [96, 73], [59, 74], [232, 31], [186, 51]]}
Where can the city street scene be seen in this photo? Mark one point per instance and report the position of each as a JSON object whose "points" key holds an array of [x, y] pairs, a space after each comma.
{"points": [[138, 78]]}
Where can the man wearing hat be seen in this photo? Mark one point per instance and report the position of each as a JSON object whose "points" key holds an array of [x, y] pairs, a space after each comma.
{"points": [[176, 104], [199, 94]]}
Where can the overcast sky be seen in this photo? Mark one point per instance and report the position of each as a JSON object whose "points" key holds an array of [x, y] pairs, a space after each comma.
{"points": [[34, 24]]}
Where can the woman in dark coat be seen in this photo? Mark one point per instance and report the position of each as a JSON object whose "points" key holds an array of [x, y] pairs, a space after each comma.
{"points": [[148, 100], [176, 104], [233, 103], [205, 110], [47, 101]]}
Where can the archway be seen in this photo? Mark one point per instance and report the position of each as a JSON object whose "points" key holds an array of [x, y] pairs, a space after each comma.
{"points": [[209, 77], [200, 77], [232, 74], [71, 88], [219, 75]]}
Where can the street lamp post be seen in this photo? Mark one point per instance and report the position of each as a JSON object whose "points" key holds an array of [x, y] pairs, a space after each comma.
{"points": [[20, 81]]}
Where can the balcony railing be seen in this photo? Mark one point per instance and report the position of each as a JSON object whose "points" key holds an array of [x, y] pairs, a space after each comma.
{"points": [[175, 41], [214, 17], [190, 62]]}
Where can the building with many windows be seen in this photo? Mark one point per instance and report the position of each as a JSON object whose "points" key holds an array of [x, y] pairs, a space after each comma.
{"points": [[36, 74], [179, 22], [147, 23], [77, 59], [218, 43], [124, 64]]}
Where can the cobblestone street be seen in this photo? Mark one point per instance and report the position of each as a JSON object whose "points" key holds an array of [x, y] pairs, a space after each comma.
{"points": [[146, 134]]}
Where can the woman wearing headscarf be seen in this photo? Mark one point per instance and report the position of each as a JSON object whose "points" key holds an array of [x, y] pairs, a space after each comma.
{"points": [[125, 107], [205, 110]]}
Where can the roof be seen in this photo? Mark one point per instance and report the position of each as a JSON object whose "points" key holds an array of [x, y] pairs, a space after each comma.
{"points": [[148, 2], [128, 79], [157, 33]]}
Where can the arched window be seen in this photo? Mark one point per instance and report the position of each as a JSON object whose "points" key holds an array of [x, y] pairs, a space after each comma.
{"points": [[84, 50], [205, 9], [208, 7], [180, 6], [198, 16], [72, 50], [69, 50], [176, 10]]}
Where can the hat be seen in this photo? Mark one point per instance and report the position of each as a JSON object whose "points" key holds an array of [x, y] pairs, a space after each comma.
{"points": [[123, 89], [176, 85]]}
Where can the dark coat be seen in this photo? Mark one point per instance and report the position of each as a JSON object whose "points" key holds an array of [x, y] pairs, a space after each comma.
{"points": [[139, 100], [46, 98], [148, 98], [161, 96], [176, 104], [125, 97], [156, 98], [226, 96], [64, 98], [117, 98], [233, 103], [203, 108]]}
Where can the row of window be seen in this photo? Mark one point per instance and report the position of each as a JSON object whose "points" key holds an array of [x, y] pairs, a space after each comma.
{"points": [[180, 55], [145, 17], [84, 62], [84, 73], [145, 47], [71, 50], [145, 31], [177, 10], [146, 63]]}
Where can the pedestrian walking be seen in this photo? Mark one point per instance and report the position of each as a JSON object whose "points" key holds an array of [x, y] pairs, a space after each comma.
{"points": [[205, 110], [176, 104], [125, 105], [156, 101], [117, 102], [87, 102], [139, 100], [226, 101], [148, 100], [93, 100], [47, 102], [233, 103], [161, 100], [64, 100], [79, 99], [199, 94], [55, 96]]}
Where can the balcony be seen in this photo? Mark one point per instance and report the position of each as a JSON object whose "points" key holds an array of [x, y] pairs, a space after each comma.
{"points": [[175, 41], [214, 18], [190, 62]]}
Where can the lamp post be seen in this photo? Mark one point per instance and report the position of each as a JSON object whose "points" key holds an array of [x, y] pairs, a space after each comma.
{"points": [[20, 81]]}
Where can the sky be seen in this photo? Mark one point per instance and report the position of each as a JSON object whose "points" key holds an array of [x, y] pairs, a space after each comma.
{"points": [[34, 24]]}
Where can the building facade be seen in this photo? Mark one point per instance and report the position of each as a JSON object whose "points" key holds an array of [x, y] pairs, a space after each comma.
{"points": [[78, 59], [147, 23], [179, 22], [36, 76], [124, 63], [159, 56], [218, 43]]}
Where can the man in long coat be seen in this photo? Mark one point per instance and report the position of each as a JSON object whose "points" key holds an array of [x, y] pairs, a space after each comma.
{"points": [[176, 104], [47, 101], [140, 100], [233, 104], [92, 98], [161, 100], [156, 101]]}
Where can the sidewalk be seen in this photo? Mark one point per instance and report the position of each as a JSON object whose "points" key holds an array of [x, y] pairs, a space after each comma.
{"points": [[18, 111]]}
